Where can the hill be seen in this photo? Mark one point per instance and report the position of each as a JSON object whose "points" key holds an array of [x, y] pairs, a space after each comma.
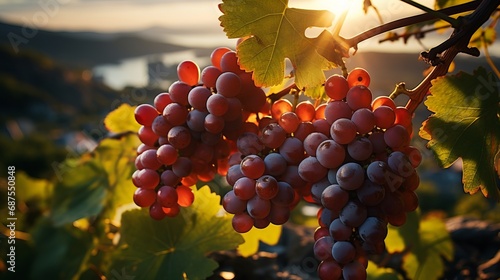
{"points": [[82, 49]]}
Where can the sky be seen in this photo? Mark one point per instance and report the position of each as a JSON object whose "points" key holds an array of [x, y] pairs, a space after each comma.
{"points": [[187, 19]]}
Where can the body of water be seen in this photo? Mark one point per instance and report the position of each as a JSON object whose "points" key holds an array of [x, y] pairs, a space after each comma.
{"points": [[145, 71]]}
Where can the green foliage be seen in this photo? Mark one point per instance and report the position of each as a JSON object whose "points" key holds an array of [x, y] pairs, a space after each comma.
{"points": [[466, 124], [100, 180], [273, 32], [269, 235], [176, 248], [375, 272], [424, 243]]}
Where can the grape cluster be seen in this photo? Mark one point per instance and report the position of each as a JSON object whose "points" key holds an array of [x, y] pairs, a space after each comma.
{"points": [[367, 177], [351, 156], [191, 130]]}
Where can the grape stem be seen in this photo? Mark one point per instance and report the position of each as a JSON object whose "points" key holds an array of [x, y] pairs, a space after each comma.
{"points": [[443, 55]]}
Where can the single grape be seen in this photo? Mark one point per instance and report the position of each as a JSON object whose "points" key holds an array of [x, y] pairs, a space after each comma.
{"points": [[397, 137], [232, 204], [198, 97], [334, 198], [216, 56], [343, 131], [156, 211], [373, 230], [195, 120], [292, 150], [360, 149], [311, 170], [329, 270], [179, 137], [354, 271], [252, 166], [258, 208], [343, 252], [167, 196], [175, 114], [312, 142], [305, 111], [350, 176], [399, 163], [289, 121], [383, 101], [266, 187], [279, 215], [339, 231], [364, 120], [242, 222], [273, 135], [161, 101], [384, 117], [188, 72], [228, 84], [336, 87], [147, 135], [323, 248], [358, 76], [209, 76], [279, 107], [337, 110], [150, 160], [144, 197], [182, 166], [370, 194], [160, 126], [179, 92], [249, 144], [166, 154], [330, 154], [244, 188], [285, 195], [275, 164], [217, 105], [214, 124], [353, 214], [145, 114], [359, 97]]}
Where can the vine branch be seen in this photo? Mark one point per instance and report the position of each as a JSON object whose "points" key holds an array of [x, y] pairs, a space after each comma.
{"points": [[354, 41]]}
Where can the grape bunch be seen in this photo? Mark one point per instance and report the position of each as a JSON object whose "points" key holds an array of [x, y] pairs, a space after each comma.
{"points": [[370, 179], [351, 156], [190, 131]]}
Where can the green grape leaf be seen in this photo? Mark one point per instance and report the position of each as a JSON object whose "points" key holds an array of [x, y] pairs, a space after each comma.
{"points": [[483, 36], [375, 272], [60, 251], [273, 32], [466, 124], [269, 235], [425, 261], [121, 119], [99, 180], [175, 248]]}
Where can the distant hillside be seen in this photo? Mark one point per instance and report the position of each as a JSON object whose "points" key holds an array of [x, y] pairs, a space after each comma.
{"points": [[86, 50], [35, 88]]}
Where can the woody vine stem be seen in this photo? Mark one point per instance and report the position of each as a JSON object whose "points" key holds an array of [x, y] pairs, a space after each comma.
{"points": [[440, 57]]}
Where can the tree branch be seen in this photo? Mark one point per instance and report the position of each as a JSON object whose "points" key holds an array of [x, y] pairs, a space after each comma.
{"points": [[354, 41]]}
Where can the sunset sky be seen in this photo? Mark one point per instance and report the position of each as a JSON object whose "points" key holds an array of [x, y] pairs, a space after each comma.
{"points": [[195, 23], [186, 18]]}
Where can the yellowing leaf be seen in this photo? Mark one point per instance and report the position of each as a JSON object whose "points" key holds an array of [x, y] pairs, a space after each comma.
{"points": [[483, 36], [276, 32], [466, 124], [403, 237], [425, 261], [375, 272], [122, 120], [269, 235]]}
